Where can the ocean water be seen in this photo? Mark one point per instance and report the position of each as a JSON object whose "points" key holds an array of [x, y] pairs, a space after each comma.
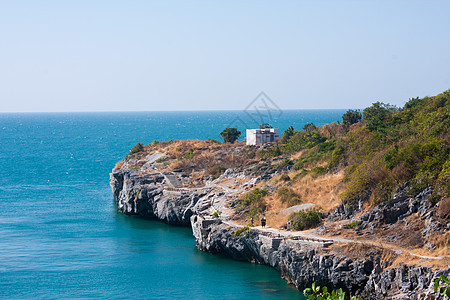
{"points": [[61, 235]]}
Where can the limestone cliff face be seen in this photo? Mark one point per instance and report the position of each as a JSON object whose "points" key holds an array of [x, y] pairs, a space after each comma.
{"points": [[146, 196], [305, 262], [141, 189]]}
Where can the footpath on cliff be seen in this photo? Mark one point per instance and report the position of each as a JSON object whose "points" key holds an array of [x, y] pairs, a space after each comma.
{"points": [[375, 192], [220, 204]]}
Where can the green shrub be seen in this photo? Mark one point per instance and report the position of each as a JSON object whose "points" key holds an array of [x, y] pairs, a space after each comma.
{"points": [[442, 284], [216, 214], [254, 196], [305, 219], [302, 140], [254, 201], [161, 160], [309, 127], [315, 293], [284, 163], [242, 230], [302, 174], [354, 224], [265, 126], [136, 149], [189, 155], [213, 141], [288, 196], [443, 182], [318, 170]]}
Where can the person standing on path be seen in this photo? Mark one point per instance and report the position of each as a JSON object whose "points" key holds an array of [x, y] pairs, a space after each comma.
{"points": [[263, 222]]}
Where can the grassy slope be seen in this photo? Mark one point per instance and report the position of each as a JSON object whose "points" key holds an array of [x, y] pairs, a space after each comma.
{"points": [[384, 151]]}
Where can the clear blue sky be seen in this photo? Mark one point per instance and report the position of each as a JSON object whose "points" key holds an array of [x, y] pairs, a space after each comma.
{"points": [[208, 55]]}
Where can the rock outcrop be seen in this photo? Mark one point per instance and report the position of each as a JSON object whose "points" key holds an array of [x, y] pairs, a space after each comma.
{"points": [[141, 188], [147, 196], [304, 262]]}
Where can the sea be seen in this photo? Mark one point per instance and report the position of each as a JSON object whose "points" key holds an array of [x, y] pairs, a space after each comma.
{"points": [[61, 236]]}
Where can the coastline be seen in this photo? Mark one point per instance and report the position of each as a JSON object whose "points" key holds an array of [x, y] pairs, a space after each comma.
{"points": [[150, 193]]}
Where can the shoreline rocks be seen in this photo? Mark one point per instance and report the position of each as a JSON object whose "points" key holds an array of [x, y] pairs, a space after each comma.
{"points": [[303, 262], [152, 195]]}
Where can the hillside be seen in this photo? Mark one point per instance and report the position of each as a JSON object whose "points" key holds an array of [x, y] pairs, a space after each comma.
{"points": [[370, 192]]}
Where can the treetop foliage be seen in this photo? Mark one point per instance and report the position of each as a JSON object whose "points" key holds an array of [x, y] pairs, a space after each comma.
{"points": [[230, 135], [390, 147]]}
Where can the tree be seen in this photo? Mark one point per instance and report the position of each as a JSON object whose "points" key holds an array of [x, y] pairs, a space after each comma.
{"points": [[287, 134], [309, 127], [351, 117], [265, 125], [230, 135], [375, 115]]}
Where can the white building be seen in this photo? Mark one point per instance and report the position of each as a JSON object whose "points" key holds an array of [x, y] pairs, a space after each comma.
{"points": [[262, 136]]}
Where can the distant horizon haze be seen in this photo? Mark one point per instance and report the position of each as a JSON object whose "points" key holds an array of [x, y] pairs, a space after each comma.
{"points": [[92, 56]]}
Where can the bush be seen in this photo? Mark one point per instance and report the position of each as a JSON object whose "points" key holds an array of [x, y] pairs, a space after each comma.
{"points": [[314, 293], [351, 117], [305, 219], [242, 230], [309, 127], [284, 163], [230, 135], [442, 285], [443, 182], [285, 177], [213, 141], [288, 196], [265, 126], [254, 196], [188, 155], [254, 201], [302, 140], [354, 224], [216, 171], [136, 149], [318, 170], [216, 214]]}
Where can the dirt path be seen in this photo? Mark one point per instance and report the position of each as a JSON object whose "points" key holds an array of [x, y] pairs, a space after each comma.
{"points": [[308, 237]]}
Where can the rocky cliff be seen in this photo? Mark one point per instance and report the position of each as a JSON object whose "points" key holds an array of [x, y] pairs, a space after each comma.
{"points": [[148, 186], [304, 261], [147, 196]]}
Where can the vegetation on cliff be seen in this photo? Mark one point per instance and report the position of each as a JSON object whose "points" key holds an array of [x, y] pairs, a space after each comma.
{"points": [[390, 147]]}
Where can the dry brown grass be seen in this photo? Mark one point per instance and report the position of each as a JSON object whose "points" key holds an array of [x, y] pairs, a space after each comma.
{"points": [[118, 166], [362, 251], [444, 208], [198, 155], [297, 155], [320, 190], [275, 219], [332, 130], [207, 155]]}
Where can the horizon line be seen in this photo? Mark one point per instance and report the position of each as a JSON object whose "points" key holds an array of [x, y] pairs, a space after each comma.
{"points": [[146, 111]]}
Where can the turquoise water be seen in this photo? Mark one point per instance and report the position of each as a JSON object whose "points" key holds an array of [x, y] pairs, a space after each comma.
{"points": [[61, 235]]}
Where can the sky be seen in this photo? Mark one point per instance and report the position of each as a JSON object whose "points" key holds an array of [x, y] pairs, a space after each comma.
{"points": [[219, 55]]}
